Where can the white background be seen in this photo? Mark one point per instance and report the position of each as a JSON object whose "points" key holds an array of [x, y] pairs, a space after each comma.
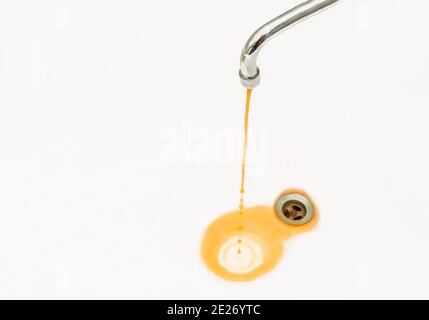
{"points": [[109, 173]]}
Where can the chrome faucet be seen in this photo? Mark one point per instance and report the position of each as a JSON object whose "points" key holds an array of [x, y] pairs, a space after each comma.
{"points": [[249, 72]]}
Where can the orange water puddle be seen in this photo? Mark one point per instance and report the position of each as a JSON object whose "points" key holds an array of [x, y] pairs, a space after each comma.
{"points": [[244, 255]]}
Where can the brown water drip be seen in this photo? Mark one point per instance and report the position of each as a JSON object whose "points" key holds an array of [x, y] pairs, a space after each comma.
{"points": [[243, 162]]}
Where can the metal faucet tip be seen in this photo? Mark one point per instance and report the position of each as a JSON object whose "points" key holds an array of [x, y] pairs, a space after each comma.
{"points": [[249, 72]]}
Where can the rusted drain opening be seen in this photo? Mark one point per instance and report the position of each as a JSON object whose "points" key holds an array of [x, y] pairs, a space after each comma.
{"points": [[294, 210]]}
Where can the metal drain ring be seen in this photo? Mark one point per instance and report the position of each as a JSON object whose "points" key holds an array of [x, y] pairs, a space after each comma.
{"points": [[298, 201]]}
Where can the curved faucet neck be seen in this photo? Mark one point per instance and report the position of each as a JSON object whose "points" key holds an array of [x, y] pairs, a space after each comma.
{"points": [[249, 72]]}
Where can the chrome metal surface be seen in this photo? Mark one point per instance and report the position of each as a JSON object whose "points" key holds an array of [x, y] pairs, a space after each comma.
{"points": [[249, 72], [294, 209]]}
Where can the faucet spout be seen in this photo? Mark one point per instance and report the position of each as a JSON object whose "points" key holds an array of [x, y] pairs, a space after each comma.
{"points": [[249, 71]]}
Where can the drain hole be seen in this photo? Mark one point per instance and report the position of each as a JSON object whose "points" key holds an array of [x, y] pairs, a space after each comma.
{"points": [[294, 210]]}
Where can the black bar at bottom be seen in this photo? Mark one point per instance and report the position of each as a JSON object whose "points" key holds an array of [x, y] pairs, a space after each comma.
{"points": [[208, 309]]}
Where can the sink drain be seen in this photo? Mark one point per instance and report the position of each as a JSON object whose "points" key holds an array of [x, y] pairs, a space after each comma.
{"points": [[294, 209]]}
